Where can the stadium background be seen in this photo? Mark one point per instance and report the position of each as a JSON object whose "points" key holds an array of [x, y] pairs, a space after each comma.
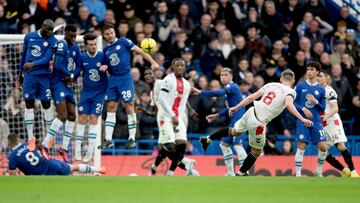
{"points": [[256, 39]]}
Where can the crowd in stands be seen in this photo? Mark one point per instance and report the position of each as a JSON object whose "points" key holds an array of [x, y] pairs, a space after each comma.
{"points": [[257, 39]]}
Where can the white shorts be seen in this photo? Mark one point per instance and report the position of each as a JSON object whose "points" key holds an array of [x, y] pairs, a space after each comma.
{"points": [[256, 129], [167, 133], [335, 132]]}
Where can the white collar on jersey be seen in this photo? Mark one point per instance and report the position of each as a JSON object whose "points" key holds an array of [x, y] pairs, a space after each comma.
{"points": [[113, 42], [39, 33], [307, 81], [90, 54], [16, 146]]}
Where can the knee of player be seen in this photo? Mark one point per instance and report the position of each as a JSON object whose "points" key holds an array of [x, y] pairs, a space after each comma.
{"points": [[93, 119], [223, 144], [322, 146], [111, 106], [71, 117], [30, 104], [62, 116], [341, 146], [45, 104], [256, 151], [301, 145]]}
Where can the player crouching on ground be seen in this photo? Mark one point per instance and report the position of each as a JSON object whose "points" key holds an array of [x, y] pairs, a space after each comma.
{"points": [[32, 163], [274, 98]]}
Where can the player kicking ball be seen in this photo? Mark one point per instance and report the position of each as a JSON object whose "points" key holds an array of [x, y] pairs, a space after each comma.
{"points": [[334, 129], [92, 95], [32, 163], [275, 97], [66, 68]]}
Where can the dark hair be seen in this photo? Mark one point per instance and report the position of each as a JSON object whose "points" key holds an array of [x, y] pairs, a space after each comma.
{"points": [[13, 139], [243, 82], [89, 36], [70, 28], [106, 27], [123, 22], [315, 65]]}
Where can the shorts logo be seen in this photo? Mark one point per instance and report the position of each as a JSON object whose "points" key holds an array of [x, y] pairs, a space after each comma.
{"points": [[74, 53], [81, 108], [62, 94], [26, 95], [301, 136], [36, 51], [45, 44]]}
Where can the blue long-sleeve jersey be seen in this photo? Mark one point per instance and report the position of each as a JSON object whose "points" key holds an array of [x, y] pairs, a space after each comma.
{"points": [[233, 96], [67, 61], [38, 50], [304, 88]]}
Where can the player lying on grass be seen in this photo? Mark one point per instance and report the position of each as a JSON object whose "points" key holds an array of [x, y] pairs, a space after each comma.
{"points": [[274, 98], [32, 163]]}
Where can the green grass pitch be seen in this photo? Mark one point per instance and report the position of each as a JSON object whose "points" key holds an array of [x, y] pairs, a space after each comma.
{"points": [[90, 189]]}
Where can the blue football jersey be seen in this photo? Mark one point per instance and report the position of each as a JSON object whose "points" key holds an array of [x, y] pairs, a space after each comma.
{"points": [[67, 61], [93, 79], [304, 88], [233, 96], [38, 50], [30, 163], [118, 56]]}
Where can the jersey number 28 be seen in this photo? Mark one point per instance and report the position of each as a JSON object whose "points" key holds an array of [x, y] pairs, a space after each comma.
{"points": [[269, 98]]}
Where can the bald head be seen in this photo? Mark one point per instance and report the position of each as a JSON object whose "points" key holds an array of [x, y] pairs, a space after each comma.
{"points": [[47, 28]]}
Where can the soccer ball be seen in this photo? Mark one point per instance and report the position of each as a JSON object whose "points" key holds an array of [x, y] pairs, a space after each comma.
{"points": [[148, 45]]}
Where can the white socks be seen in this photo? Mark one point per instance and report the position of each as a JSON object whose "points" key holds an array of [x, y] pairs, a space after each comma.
{"points": [[69, 129], [48, 117], [299, 156], [228, 158], [29, 122], [54, 128], [321, 159], [132, 125], [84, 168], [109, 125], [92, 139], [80, 128], [241, 153]]}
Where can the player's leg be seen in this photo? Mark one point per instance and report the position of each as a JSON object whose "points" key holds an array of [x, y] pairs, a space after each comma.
{"points": [[29, 93], [69, 130], [249, 161], [347, 158], [45, 97], [165, 150], [345, 172], [85, 168], [228, 155], [319, 136], [239, 148], [302, 138], [48, 114], [80, 131], [132, 123], [93, 133], [180, 146], [109, 124]]}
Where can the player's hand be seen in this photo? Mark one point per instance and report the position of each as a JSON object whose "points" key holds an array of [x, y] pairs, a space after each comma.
{"points": [[103, 68], [307, 122], [195, 91], [210, 118], [139, 109], [154, 65], [287, 133], [28, 66], [19, 82], [308, 113], [193, 115], [175, 121], [51, 66], [311, 98], [232, 110]]}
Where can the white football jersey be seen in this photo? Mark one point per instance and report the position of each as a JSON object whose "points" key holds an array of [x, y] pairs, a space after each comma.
{"points": [[154, 93], [330, 96], [178, 94], [272, 103]]}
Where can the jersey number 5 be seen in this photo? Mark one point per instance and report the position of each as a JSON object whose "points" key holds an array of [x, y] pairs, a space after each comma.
{"points": [[269, 98]]}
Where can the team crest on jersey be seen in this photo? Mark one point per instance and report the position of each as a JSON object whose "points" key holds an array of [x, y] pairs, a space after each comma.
{"points": [[309, 104], [317, 92], [62, 94], [81, 108], [114, 59], [45, 44], [26, 95], [118, 47], [94, 75], [36, 51], [71, 64], [98, 64], [301, 136]]}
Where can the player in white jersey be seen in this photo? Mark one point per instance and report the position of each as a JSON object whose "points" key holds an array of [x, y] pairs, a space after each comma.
{"points": [[275, 97], [186, 164], [334, 128]]}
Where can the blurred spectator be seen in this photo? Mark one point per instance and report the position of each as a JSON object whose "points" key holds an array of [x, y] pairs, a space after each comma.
{"points": [[345, 94], [305, 46], [325, 62], [254, 41], [240, 70], [258, 82], [272, 19], [244, 88], [32, 14], [317, 9], [304, 25], [287, 148], [184, 20], [123, 29], [316, 33], [226, 45], [288, 122], [140, 86], [299, 65], [352, 47], [340, 34], [147, 122], [356, 102], [118, 6], [149, 30], [108, 19], [240, 51], [269, 74], [96, 7], [277, 50], [130, 16], [281, 66], [249, 78], [358, 33], [256, 63], [61, 10], [252, 17], [317, 50], [213, 11], [11, 14], [190, 64], [348, 70], [203, 34], [226, 12], [340, 49], [292, 9], [4, 25], [179, 45], [4, 132], [259, 6], [245, 6], [211, 58], [84, 20], [345, 16], [203, 83]]}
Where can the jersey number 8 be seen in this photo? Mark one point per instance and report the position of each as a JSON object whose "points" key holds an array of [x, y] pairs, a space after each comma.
{"points": [[32, 159], [269, 98]]}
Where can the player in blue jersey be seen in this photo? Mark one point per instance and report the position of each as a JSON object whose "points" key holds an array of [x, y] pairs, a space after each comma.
{"points": [[233, 96], [310, 102], [92, 95], [67, 60], [121, 84], [38, 49], [32, 163]]}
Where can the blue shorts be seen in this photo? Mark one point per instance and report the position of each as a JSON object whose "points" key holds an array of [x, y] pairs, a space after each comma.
{"points": [[56, 167], [36, 87], [120, 87], [91, 104], [313, 135], [61, 92]]}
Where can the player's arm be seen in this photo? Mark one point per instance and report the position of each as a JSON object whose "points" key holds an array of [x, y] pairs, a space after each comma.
{"points": [[289, 103], [320, 105], [146, 56], [251, 98], [59, 57], [12, 172], [213, 93], [163, 99], [297, 104], [334, 108], [192, 113], [78, 63]]}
